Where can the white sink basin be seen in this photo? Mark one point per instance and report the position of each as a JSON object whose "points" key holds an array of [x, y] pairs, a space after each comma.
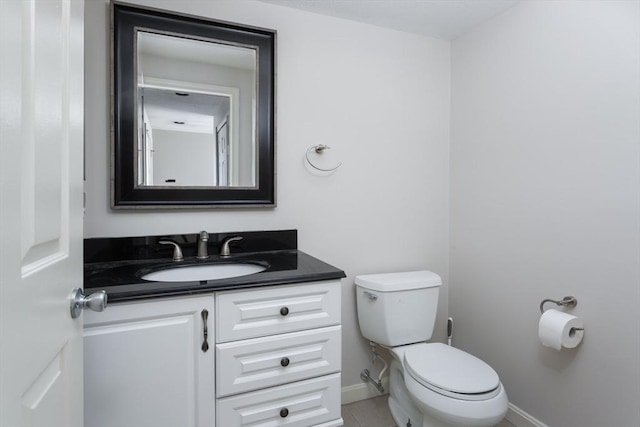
{"points": [[203, 272]]}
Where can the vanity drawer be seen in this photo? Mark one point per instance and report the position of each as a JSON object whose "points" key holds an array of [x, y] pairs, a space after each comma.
{"points": [[314, 402], [275, 310], [264, 362]]}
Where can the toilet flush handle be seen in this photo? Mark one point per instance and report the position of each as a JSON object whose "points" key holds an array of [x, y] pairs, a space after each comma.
{"points": [[372, 296]]}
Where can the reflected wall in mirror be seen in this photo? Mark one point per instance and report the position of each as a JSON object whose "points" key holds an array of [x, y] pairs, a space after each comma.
{"points": [[193, 111]]}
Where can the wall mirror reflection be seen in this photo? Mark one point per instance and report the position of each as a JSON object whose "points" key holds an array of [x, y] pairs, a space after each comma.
{"points": [[193, 111], [189, 108]]}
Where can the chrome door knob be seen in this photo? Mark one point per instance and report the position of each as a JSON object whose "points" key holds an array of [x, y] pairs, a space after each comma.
{"points": [[97, 301]]}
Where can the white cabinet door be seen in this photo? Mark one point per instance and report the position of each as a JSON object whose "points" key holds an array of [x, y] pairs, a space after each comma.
{"points": [[145, 366], [314, 402], [41, 136], [278, 359], [275, 310]]}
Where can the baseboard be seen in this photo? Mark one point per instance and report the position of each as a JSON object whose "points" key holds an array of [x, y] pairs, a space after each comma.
{"points": [[333, 423], [357, 392], [519, 418]]}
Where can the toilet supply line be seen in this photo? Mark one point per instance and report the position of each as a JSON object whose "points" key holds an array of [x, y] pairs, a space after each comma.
{"points": [[366, 376]]}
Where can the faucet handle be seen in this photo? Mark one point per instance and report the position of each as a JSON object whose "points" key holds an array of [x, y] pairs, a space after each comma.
{"points": [[177, 252], [224, 250]]}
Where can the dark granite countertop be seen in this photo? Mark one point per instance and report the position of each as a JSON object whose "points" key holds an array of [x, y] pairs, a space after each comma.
{"points": [[122, 278]]}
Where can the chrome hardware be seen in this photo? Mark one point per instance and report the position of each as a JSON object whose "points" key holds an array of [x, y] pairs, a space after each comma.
{"points": [[284, 311], [372, 297], [97, 301], [284, 412], [366, 377], [205, 316], [284, 362], [319, 149], [177, 252], [203, 252], [566, 302], [224, 250]]}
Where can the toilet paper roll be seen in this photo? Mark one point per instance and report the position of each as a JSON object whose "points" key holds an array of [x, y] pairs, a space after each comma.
{"points": [[558, 329]]}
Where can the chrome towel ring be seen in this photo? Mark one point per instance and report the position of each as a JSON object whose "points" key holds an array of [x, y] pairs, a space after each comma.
{"points": [[319, 149]]}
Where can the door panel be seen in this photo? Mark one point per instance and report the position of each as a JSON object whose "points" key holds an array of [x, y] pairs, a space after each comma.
{"points": [[158, 374], [278, 359], [41, 140], [44, 396], [314, 402], [258, 312]]}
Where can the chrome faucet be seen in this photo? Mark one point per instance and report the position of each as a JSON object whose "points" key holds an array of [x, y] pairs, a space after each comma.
{"points": [[224, 250], [177, 252], [203, 252]]}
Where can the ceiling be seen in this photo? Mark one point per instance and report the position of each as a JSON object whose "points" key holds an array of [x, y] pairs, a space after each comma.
{"points": [[443, 19], [193, 50]]}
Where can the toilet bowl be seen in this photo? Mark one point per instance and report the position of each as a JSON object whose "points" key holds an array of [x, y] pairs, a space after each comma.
{"points": [[431, 384], [451, 387]]}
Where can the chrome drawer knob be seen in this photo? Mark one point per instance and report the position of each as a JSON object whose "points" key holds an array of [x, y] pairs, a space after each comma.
{"points": [[284, 412], [284, 311], [284, 362]]}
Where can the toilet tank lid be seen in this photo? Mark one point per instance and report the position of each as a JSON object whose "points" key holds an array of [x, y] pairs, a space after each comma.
{"points": [[393, 282]]}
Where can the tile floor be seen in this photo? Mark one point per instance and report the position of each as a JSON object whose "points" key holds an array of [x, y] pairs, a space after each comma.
{"points": [[375, 413]]}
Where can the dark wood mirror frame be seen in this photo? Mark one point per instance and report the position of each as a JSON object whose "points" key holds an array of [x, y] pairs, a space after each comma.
{"points": [[125, 193]]}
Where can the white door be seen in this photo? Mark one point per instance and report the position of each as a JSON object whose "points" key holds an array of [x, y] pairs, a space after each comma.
{"points": [[41, 157]]}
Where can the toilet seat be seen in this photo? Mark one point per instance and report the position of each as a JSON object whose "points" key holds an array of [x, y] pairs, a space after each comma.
{"points": [[451, 372]]}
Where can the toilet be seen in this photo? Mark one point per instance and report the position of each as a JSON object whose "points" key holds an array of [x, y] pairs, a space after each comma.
{"points": [[431, 384]]}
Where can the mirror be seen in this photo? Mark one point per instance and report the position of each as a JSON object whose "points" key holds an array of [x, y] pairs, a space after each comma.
{"points": [[193, 111]]}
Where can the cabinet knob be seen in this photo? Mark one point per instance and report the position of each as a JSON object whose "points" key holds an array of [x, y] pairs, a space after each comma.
{"points": [[284, 362], [284, 412], [284, 311]]}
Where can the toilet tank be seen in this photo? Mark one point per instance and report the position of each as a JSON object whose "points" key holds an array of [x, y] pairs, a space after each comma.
{"points": [[397, 308]]}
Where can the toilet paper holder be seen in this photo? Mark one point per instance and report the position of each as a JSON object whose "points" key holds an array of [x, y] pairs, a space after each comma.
{"points": [[565, 302]]}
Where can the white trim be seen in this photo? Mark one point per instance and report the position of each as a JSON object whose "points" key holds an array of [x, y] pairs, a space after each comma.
{"points": [[204, 88], [335, 423], [520, 418], [357, 392], [233, 119]]}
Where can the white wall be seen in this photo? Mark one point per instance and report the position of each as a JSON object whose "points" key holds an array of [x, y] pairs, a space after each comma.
{"points": [[187, 157], [545, 173], [379, 97]]}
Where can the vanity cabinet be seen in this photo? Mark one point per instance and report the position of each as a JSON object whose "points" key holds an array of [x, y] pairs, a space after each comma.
{"points": [[314, 402], [278, 356], [274, 359], [145, 367]]}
